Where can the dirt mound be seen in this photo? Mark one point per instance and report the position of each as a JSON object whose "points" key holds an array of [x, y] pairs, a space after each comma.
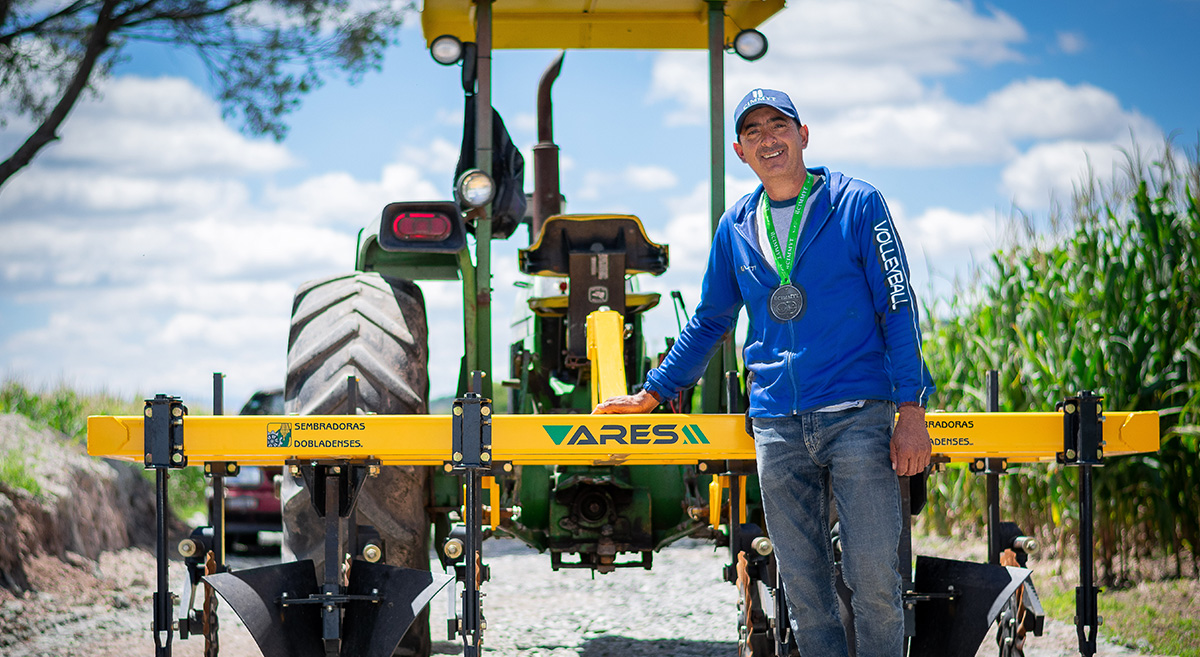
{"points": [[80, 505]]}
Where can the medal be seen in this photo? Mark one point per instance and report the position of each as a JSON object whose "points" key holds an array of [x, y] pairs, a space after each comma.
{"points": [[787, 300], [787, 303]]}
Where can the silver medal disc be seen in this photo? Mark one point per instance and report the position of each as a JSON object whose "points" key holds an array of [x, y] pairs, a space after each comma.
{"points": [[787, 302]]}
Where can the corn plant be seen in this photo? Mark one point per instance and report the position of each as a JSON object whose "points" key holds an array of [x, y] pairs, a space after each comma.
{"points": [[1111, 305]]}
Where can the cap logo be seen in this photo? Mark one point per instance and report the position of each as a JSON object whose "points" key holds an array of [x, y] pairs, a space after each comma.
{"points": [[757, 96]]}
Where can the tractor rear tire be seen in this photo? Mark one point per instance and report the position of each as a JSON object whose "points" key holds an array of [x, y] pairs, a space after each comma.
{"points": [[371, 327]]}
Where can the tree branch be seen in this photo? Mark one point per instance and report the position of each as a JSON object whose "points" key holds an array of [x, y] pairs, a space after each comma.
{"points": [[186, 15], [33, 28], [5, 6], [98, 42]]}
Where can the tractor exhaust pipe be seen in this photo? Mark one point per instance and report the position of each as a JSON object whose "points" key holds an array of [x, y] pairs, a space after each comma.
{"points": [[547, 197]]}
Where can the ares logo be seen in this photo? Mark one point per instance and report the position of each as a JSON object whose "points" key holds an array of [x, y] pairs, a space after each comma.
{"points": [[635, 434], [279, 434]]}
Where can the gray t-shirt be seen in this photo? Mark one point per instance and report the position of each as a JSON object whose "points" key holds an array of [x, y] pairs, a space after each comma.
{"points": [[781, 216]]}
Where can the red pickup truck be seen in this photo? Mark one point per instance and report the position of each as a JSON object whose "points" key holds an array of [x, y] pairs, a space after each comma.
{"points": [[252, 497]]}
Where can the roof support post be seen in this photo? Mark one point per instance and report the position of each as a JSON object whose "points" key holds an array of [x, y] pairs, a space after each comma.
{"points": [[483, 160], [726, 359]]}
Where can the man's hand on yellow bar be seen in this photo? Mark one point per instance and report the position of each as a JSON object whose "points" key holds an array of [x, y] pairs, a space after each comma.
{"points": [[642, 402], [910, 442]]}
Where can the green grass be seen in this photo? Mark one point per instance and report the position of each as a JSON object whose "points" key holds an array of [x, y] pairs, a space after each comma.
{"points": [[14, 473], [66, 411], [1153, 617], [62, 408]]}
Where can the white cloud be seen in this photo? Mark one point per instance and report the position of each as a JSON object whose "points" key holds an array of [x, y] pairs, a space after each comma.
{"points": [[647, 178], [438, 156], [940, 233], [650, 178], [1052, 109], [1071, 43], [864, 52], [866, 82], [923, 36], [162, 126], [126, 266]]}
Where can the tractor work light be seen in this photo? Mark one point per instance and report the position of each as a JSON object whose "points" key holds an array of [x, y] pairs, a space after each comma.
{"points": [[421, 226], [446, 49], [750, 45], [475, 188]]}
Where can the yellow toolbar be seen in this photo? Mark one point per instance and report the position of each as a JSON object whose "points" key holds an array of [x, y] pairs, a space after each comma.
{"points": [[579, 439]]}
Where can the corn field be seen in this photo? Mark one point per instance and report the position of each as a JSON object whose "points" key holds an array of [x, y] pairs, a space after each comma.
{"points": [[1109, 304]]}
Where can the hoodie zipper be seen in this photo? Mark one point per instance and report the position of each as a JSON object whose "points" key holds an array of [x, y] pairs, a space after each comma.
{"points": [[753, 245], [791, 369]]}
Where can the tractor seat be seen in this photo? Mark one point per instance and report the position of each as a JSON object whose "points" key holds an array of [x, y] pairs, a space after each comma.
{"points": [[556, 306], [564, 234]]}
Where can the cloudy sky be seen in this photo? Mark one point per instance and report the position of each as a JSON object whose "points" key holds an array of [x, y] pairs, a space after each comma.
{"points": [[155, 244]]}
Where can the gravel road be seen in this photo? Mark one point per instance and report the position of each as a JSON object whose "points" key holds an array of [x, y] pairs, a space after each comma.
{"points": [[680, 608]]}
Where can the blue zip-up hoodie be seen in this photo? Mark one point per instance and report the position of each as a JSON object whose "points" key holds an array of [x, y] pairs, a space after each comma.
{"points": [[858, 337]]}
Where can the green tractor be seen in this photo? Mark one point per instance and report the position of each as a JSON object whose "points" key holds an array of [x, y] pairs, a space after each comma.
{"points": [[369, 326]]}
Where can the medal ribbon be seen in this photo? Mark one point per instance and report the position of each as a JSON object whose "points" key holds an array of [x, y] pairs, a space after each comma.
{"points": [[783, 261]]}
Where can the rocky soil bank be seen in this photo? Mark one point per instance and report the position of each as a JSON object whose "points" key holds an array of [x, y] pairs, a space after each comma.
{"points": [[82, 506]]}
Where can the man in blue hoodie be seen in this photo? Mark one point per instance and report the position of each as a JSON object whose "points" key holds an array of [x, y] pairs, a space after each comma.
{"points": [[833, 349]]}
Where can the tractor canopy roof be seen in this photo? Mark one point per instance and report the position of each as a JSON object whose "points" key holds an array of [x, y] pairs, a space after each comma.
{"points": [[617, 24]]}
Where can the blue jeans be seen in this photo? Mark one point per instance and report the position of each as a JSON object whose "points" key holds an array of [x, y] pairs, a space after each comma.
{"points": [[800, 458]]}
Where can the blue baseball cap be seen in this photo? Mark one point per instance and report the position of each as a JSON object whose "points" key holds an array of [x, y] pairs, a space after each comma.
{"points": [[760, 97]]}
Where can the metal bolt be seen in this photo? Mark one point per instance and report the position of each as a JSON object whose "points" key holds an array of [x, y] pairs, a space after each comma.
{"points": [[148, 456], [703, 466], [230, 468], [177, 457], [762, 545], [1070, 454], [1069, 408], [337, 469], [447, 467], [485, 411], [372, 471], [149, 411], [485, 457], [294, 470], [177, 412], [1099, 453], [187, 547], [458, 410], [372, 553], [453, 548], [457, 456], [508, 467]]}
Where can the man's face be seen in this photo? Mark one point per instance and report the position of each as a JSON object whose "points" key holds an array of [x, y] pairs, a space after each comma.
{"points": [[773, 144]]}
